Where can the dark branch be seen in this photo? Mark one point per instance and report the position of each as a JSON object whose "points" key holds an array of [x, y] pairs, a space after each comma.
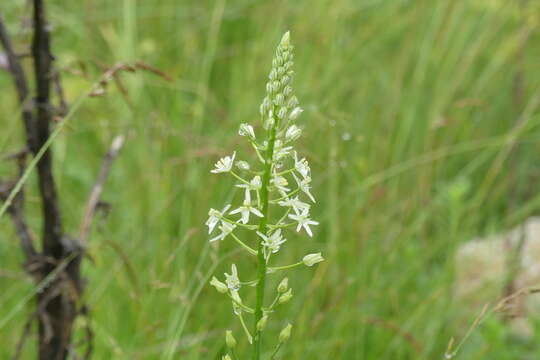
{"points": [[95, 194], [52, 227], [21, 83], [15, 210]]}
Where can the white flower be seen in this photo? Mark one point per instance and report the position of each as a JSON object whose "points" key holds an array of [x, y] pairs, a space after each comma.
{"points": [[224, 164], [304, 186], [226, 228], [293, 133], [280, 183], [303, 221], [232, 280], [295, 203], [312, 259], [301, 166], [295, 113], [214, 216], [246, 130], [246, 209], [255, 184], [273, 242]]}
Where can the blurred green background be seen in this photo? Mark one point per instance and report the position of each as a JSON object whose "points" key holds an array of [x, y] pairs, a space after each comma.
{"points": [[421, 124]]}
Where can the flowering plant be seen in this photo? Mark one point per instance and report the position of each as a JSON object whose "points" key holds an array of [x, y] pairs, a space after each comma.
{"points": [[269, 187]]}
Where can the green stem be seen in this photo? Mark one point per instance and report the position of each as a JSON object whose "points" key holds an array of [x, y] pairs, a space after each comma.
{"points": [[273, 356], [261, 269], [250, 338], [285, 267], [294, 192], [250, 250], [239, 178]]}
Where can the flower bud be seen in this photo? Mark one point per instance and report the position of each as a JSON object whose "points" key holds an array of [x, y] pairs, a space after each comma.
{"points": [[282, 112], [269, 87], [226, 357], [293, 102], [285, 39], [285, 334], [220, 287], [281, 71], [242, 165], [312, 259], [285, 55], [285, 80], [293, 133], [273, 74], [288, 65], [287, 91], [229, 339], [279, 100], [246, 130], [283, 286], [275, 87], [285, 297], [295, 113], [261, 324]]}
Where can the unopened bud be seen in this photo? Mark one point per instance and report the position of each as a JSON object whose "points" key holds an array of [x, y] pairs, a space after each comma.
{"points": [[295, 113], [283, 286], [269, 87], [261, 324], [220, 287], [282, 112], [285, 80], [229, 339], [312, 259], [285, 334], [293, 133], [279, 100], [287, 91], [293, 102], [242, 165], [275, 87], [246, 130], [285, 297]]}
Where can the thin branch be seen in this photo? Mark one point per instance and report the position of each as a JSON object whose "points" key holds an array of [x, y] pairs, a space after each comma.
{"points": [[16, 209], [20, 81], [25, 334], [16, 213], [95, 194]]}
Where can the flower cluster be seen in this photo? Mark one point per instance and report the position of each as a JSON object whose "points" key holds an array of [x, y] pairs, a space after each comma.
{"points": [[283, 182]]}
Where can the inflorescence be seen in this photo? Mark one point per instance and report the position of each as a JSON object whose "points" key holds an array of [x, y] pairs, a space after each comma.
{"points": [[281, 183]]}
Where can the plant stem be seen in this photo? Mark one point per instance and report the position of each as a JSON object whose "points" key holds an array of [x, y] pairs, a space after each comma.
{"points": [[285, 267], [261, 269]]}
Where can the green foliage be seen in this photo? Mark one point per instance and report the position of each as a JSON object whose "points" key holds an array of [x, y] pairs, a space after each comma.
{"points": [[416, 137]]}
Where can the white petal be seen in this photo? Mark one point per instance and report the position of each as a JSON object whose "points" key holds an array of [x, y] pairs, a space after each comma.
{"points": [[256, 212], [308, 230]]}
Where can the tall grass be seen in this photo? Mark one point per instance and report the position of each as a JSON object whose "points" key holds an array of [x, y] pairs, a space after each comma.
{"points": [[411, 113]]}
